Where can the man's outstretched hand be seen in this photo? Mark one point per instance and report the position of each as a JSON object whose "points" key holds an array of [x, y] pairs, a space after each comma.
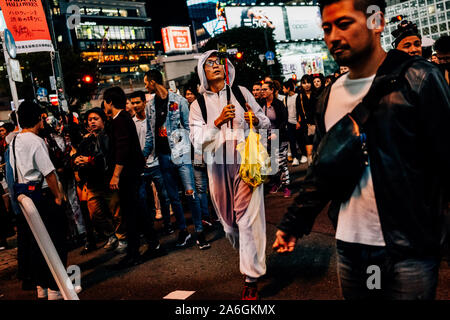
{"points": [[284, 242]]}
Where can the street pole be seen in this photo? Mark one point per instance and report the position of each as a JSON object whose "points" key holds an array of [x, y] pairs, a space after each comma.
{"points": [[12, 83], [267, 49]]}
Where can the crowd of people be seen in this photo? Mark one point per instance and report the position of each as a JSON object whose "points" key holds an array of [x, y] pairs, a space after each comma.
{"points": [[106, 175]]}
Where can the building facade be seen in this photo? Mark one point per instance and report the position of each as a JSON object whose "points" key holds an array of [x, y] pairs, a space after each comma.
{"points": [[432, 18], [115, 34]]}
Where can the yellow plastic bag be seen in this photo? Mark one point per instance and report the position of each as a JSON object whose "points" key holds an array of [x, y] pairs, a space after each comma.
{"points": [[255, 161]]}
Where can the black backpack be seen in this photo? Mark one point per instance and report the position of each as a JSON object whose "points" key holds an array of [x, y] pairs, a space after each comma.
{"points": [[237, 94]]}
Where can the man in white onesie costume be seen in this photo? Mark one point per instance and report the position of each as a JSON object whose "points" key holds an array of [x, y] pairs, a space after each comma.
{"points": [[240, 207]]}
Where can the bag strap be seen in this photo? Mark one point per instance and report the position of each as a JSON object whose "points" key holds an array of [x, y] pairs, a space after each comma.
{"points": [[237, 94], [381, 85], [202, 104], [15, 163], [303, 108]]}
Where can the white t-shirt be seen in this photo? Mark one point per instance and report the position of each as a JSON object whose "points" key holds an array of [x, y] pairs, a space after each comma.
{"points": [[33, 160], [358, 220], [141, 128], [292, 110]]}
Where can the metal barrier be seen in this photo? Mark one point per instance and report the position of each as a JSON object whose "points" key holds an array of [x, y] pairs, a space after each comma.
{"points": [[47, 247]]}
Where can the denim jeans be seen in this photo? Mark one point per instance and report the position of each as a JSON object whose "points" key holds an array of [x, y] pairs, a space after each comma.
{"points": [[201, 185], [146, 198], [186, 173], [405, 279]]}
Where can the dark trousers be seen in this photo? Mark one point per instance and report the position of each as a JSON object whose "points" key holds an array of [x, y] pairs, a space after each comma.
{"points": [[32, 265], [133, 215], [296, 140], [362, 267]]}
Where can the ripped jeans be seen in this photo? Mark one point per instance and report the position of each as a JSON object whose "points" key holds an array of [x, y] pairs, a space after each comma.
{"points": [[170, 172]]}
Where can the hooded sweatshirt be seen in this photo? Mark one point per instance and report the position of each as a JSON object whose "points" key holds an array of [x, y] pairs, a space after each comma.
{"points": [[206, 136]]}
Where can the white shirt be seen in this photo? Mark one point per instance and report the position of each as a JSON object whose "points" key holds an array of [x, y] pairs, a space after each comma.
{"points": [[358, 220], [292, 108], [141, 128], [33, 160]]}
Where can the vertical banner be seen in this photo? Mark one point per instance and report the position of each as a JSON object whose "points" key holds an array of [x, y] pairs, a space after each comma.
{"points": [[27, 22]]}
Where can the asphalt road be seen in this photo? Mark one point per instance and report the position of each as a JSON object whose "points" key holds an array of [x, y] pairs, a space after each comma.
{"points": [[309, 273]]}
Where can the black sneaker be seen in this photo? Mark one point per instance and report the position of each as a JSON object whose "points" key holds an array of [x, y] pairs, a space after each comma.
{"points": [[168, 229], [88, 247], [153, 251], [202, 244], [183, 238]]}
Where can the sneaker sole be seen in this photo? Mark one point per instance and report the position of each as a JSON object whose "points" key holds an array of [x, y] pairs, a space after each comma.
{"points": [[204, 247]]}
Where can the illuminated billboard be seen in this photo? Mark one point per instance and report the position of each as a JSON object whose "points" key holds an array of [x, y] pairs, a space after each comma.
{"points": [[176, 39], [288, 22], [304, 22], [258, 16]]}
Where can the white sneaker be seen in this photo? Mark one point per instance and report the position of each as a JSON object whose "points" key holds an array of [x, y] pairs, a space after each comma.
{"points": [[122, 246], [41, 292], [111, 244], [303, 159], [295, 162], [54, 295]]}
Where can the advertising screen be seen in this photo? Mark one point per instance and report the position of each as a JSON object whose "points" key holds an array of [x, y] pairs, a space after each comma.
{"points": [[267, 17], [304, 22], [176, 39], [27, 22]]}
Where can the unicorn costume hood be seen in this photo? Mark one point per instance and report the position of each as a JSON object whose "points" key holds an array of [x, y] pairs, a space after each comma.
{"points": [[201, 71]]}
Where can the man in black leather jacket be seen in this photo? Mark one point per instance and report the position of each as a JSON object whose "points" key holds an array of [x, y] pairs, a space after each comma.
{"points": [[389, 232]]}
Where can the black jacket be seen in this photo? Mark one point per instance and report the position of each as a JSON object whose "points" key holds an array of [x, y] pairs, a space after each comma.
{"points": [[97, 172], [126, 150], [408, 141]]}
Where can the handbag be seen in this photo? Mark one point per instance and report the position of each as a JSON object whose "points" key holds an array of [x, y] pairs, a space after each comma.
{"points": [[341, 157], [32, 189], [311, 127]]}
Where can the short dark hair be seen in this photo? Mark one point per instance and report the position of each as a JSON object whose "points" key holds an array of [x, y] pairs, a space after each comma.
{"points": [[360, 5], [29, 114], [138, 94], [117, 96], [155, 75], [98, 111], [289, 84], [257, 83], [442, 45], [9, 127]]}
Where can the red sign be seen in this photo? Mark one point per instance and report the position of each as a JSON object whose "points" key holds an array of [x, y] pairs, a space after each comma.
{"points": [[176, 39], [28, 25], [53, 99]]}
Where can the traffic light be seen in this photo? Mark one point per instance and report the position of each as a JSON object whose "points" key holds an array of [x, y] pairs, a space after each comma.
{"points": [[88, 79], [294, 77], [397, 18], [239, 55]]}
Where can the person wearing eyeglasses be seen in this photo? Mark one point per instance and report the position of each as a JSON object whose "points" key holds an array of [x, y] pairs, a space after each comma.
{"points": [[239, 206]]}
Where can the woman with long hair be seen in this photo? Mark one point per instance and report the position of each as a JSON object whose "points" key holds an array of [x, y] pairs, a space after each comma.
{"points": [[307, 124], [277, 113]]}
